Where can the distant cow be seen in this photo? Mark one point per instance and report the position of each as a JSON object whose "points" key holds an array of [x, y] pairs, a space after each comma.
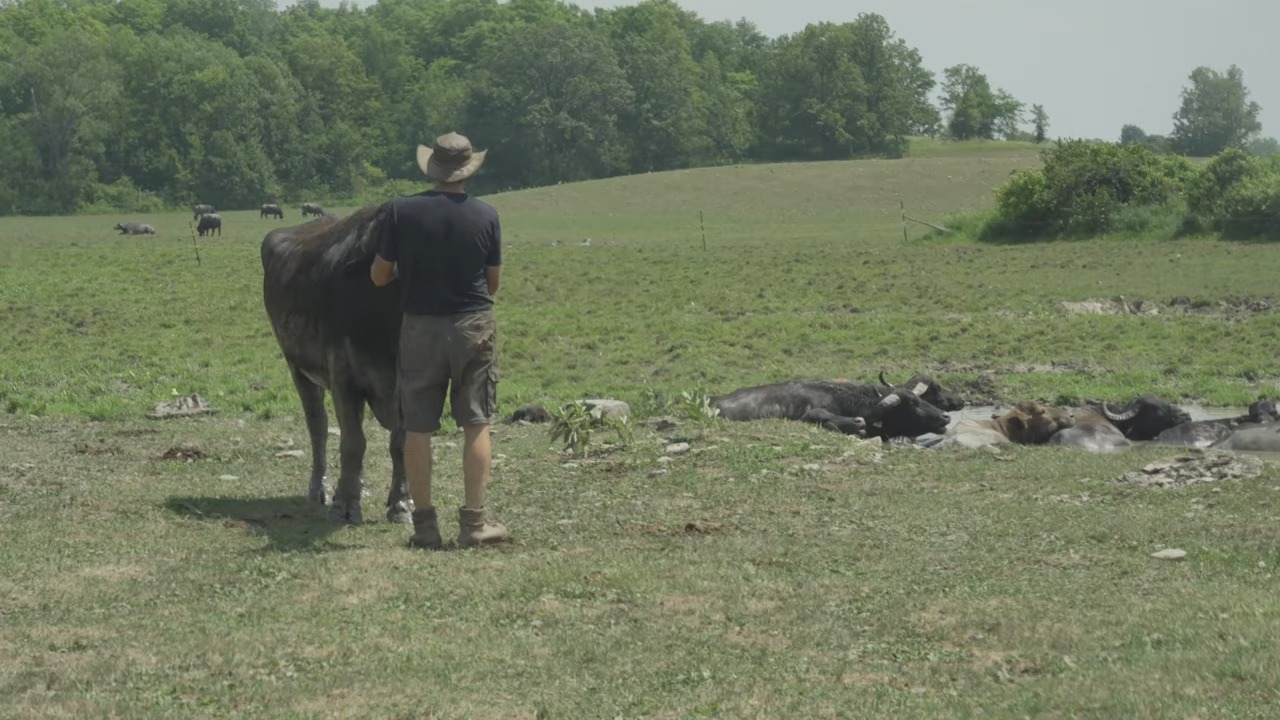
{"points": [[311, 209], [928, 389], [208, 223], [1027, 423], [272, 210], [1101, 429], [837, 405], [201, 210], [339, 333], [1204, 433], [135, 229]]}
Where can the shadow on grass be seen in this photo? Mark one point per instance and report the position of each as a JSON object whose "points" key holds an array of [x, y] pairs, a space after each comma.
{"points": [[289, 523]]}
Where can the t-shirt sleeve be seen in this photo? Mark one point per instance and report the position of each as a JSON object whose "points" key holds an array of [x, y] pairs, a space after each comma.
{"points": [[494, 259], [389, 243]]}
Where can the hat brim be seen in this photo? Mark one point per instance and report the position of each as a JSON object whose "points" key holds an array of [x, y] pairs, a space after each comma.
{"points": [[439, 173]]}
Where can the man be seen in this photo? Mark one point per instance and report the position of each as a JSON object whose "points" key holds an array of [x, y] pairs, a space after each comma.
{"points": [[446, 248]]}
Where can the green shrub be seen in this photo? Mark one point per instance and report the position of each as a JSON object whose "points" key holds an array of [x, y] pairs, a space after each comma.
{"points": [[1208, 187], [1251, 208], [1089, 189], [1023, 204]]}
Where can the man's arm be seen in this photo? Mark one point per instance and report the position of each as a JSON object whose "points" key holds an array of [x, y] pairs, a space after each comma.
{"points": [[492, 278], [383, 271]]}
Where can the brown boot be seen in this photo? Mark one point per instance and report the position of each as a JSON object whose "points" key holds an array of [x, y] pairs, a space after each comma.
{"points": [[475, 531], [426, 532]]}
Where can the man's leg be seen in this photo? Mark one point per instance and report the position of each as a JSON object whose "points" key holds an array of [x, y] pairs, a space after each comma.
{"points": [[418, 466], [476, 459], [475, 528]]}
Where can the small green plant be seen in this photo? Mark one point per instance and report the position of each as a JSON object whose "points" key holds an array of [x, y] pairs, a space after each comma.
{"points": [[696, 407], [575, 424], [572, 425]]}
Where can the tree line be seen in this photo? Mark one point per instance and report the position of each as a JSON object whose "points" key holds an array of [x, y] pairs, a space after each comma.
{"points": [[124, 103], [141, 104]]}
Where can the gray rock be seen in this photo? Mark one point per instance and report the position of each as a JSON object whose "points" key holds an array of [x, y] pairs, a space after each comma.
{"points": [[1170, 554], [677, 448], [603, 409]]}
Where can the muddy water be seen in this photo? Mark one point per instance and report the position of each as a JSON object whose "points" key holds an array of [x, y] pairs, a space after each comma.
{"points": [[1197, 412]]}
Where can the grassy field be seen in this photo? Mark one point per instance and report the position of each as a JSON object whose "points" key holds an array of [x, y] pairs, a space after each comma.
{"points": [[775, 570]]}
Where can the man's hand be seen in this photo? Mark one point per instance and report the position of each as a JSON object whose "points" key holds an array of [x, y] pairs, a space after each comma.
{"points": [[383, 271]]}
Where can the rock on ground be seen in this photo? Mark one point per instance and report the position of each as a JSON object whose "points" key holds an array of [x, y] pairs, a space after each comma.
{"points": [[1197, 468]]}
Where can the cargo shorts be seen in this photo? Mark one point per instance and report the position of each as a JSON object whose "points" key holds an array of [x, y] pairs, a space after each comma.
{"points": [[447, 354]]}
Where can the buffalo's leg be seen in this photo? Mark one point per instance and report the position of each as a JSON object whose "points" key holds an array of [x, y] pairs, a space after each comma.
{"points": [[829, 420], [348, 404], [399, 506], [312, 396]]}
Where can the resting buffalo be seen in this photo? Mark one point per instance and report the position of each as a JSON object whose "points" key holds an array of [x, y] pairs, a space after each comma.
{"points": [[135, 229], [1203, 433], [201, 210], [1252, 437], [1101, 429], [311, 209], [271, 209], [338, 333], [928, 389], [1027, 423], [208, 223], [839, 405]]}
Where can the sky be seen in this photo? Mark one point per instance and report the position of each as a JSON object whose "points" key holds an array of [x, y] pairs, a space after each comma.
{"points": [[1095, 65]]}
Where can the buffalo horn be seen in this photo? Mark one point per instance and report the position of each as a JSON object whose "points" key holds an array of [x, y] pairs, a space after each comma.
{"points": [[883, 381], [890, 400], [1118, 417], [920, 388]]}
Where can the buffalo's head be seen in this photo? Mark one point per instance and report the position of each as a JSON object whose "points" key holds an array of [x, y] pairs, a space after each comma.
{"points": [[902, 413], [1264, 411], [1030, 423], [1144, 417], [926, 387]]}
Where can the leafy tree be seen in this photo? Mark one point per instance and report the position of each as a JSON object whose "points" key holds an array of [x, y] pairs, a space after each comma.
{"points": [[1132, 134], [1040, 119], [837, 91], [555, 115], [1263, 147], [975, 110], [664, 121], [1216, 113]]}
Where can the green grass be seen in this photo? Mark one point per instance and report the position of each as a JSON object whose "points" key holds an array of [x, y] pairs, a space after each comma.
{"points": [[820, 577]]}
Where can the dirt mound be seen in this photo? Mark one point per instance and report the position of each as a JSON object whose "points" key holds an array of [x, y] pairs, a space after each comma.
{"points": [[1195, 469]]}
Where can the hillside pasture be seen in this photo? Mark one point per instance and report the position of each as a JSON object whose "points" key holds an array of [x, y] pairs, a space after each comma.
{"points": [[170, 568]]}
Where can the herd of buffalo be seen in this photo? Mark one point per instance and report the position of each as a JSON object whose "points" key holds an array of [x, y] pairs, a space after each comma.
{"points": [[208, 221], [338, 333]]}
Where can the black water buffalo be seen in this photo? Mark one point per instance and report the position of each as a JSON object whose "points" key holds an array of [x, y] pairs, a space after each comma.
{"points": [[208, 223], [201, 210], [1102, 429], [339, 333], [837, 405], [311, 209], [1204, 433], [135, 229], [1252, 437], [927, 388], [271, 210], [1027, 423]]}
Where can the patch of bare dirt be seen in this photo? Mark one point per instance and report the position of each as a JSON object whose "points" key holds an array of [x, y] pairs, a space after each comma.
{"points": [[184, 452], [1196, 468], [1182, 304]]}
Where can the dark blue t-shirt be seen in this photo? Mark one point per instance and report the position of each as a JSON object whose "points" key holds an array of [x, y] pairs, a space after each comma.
{"points": [[442, 243]]}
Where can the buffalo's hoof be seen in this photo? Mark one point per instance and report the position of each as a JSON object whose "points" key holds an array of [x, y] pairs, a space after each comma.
{"points": [[318, 495], [346, 512], [400, 512]]}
